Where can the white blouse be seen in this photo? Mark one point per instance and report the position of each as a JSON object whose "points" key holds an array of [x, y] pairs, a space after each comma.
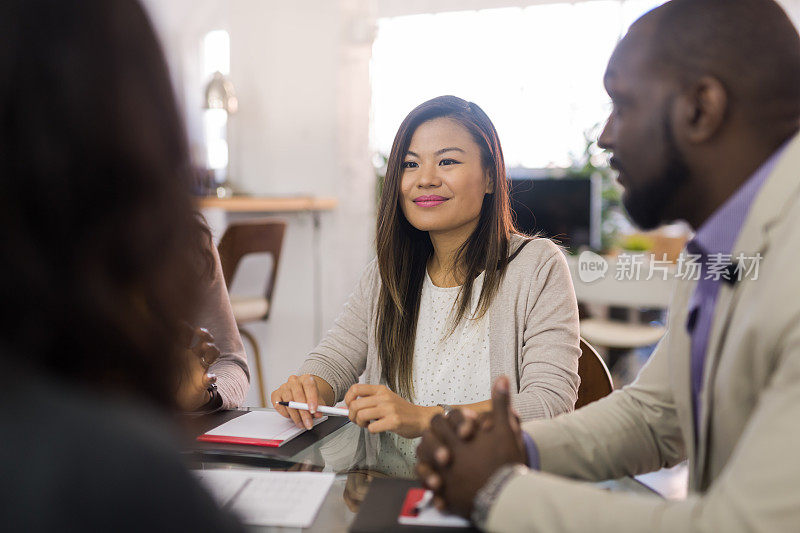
{"points": [[447, 368], [450, 368]]}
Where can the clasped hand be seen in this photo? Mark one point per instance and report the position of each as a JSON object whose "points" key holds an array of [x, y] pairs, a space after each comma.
{"points": [[198, 357], [460, 452]]}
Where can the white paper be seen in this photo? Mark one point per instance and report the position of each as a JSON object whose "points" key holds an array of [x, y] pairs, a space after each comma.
{"points": [[287, 499], [222, 484], [269, 425]]}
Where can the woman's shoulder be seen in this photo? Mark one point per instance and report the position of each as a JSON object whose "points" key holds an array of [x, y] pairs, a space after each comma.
{"points": [[536, 263], [532, 261], [369, 280], [371, 274], [527, 252]]}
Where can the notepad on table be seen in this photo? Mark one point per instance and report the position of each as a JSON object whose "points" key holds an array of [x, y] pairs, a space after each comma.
{"points": [[256, 428], [428, 515], [288, 499]]}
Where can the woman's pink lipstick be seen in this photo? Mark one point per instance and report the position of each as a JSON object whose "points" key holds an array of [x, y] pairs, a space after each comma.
{"points": [[430, 201]]}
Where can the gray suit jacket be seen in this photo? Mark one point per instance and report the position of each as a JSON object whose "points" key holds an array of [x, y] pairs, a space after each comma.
{"points": [[745, 461]]}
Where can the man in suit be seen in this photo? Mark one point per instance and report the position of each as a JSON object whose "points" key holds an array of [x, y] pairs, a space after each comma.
{"points": [[706, 98]]}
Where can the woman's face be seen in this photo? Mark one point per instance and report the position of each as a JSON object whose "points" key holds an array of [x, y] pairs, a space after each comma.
{"points": [[443, 181]]}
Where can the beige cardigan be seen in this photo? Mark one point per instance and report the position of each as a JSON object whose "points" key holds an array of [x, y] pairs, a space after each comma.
{"points": [[533, 334]]}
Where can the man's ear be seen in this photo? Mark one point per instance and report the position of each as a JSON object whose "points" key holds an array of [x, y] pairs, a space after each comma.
{"points": [[701, 110]]}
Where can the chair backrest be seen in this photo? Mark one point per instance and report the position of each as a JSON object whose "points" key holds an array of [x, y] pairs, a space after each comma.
{"points": [[252, 237], [595, 378]]}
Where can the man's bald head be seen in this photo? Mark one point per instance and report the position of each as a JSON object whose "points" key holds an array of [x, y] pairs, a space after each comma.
{"points": [[750, 46], [703, 92]]}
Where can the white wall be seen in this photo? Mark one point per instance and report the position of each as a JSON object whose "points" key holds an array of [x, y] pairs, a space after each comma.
{"points": [[395, 8], [792, 7], [301, 72]]}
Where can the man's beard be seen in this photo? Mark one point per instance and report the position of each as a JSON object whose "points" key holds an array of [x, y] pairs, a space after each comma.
{"points": [[647, 207]]}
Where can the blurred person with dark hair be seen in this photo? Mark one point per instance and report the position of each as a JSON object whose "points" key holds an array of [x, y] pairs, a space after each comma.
{"points": [[99, 274]]}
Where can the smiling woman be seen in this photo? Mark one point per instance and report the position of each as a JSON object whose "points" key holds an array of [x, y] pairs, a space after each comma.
{"points": [[455, 297], [455, 172]]}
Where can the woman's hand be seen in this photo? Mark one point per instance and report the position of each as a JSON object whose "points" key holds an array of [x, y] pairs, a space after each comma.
{"points": [[378, 409], [307, 388], [195, 379]]}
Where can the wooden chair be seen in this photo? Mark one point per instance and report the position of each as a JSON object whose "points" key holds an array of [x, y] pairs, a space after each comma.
{"points": [[241, 239], [595, 379]]}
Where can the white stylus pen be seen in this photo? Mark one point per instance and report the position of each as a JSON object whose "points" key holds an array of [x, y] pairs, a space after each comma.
{"points": [[324, 409]]}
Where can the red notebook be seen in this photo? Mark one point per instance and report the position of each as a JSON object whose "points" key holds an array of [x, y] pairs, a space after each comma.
{"points": [[256, 428]]}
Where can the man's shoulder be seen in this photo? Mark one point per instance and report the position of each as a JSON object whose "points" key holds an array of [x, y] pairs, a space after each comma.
{"points": [[770, 283], [782, 252]]}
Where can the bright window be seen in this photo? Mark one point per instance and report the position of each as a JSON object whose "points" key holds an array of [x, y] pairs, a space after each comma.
{"points": [[536, 71], [216, 53], [216, 57]]}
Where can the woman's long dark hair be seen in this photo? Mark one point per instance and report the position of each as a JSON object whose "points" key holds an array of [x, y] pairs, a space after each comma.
{"points": [[403, 251], [96, 219]]}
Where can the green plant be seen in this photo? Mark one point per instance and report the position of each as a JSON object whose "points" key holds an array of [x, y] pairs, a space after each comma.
{"points": [[636, 243]]}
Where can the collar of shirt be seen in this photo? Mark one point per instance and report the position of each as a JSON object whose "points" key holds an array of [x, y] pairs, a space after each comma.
{"points": [[719, 233]]}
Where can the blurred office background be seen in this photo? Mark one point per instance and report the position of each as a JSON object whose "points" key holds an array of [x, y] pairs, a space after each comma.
{"points": [[320, 88]]}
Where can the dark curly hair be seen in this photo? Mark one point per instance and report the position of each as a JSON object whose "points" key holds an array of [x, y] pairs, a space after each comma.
{"points": [[96, 219]]}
